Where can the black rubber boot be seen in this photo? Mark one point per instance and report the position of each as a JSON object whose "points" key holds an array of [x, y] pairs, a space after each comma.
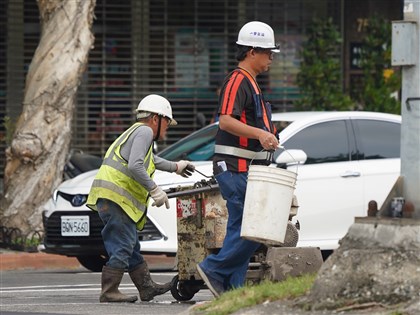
{"points": [[148, 289], [111, 279]]}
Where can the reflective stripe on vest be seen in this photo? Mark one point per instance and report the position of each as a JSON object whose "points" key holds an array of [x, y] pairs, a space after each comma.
{"points": [[242, 153], [114, 181], [121, 191]]}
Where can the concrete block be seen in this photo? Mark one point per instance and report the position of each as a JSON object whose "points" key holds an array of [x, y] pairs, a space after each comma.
{"points": [[286, 262]]}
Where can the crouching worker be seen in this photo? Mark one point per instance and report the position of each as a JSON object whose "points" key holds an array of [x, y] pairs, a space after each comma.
{"points": [[120, 193]]}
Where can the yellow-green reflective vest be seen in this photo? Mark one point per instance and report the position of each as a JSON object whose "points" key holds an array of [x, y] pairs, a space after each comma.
{"points": [[114, 181]]}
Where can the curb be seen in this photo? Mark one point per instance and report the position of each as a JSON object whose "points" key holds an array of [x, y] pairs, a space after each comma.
{"points": [[12, 260], [30, 261]]}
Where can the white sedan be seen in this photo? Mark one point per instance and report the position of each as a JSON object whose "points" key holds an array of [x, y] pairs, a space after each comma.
{"points": [[352, 158]]}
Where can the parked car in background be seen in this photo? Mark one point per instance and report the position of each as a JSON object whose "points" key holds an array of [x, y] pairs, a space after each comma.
{"points": [[352, 158]]}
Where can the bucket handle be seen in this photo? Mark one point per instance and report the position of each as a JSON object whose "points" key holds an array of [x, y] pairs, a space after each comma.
{"points": [[269, 157], [271, 153], [284, 149]]}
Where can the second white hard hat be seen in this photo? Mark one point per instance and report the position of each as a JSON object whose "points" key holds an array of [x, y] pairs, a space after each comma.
{"points": [[157, 104], [257, 34]]}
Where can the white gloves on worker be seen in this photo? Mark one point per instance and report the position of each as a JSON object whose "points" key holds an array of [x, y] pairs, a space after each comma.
{"points": [[159, 197], [184, 168]]}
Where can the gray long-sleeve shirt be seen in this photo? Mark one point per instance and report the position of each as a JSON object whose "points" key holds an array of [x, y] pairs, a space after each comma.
{"points": [[134, 151]]}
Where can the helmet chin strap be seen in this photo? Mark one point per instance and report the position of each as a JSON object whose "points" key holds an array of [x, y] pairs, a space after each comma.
{"points": [[158, 131]]}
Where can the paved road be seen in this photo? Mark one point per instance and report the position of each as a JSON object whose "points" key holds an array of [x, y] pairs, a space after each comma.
{"points": [[77, 292]]}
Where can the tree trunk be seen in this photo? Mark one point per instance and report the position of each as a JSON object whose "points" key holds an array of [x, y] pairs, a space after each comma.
{"points": [[36, 156]]}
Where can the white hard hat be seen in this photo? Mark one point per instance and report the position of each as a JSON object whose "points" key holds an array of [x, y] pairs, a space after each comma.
{"points": [[157, 104], [257, 34]]}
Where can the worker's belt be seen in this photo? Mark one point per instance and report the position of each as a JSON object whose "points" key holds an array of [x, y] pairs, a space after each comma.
{"points": [[242, 153]]}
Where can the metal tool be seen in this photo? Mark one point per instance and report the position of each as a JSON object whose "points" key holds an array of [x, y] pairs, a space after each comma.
{"points": [[192, 168]]}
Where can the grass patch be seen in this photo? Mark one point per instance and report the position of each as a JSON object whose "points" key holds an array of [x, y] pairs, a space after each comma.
{"points": [[247, 296]]}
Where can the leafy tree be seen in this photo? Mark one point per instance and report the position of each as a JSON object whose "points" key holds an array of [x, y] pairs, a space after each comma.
{"points": [[379, 79], [319, 79]]}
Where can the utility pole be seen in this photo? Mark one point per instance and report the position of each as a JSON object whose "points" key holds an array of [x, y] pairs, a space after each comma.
{"points": [[405, 53], [377, 261]]}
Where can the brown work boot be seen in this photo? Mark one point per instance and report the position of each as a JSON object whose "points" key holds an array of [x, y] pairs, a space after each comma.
{"points": [[148, 289], [111, 279]]}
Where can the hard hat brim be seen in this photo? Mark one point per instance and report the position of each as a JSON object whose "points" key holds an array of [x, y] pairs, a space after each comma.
{"points": [[275, 49]]}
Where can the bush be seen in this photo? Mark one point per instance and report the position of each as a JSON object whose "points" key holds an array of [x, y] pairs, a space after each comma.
{"points": [[319, 79], [379, 79]]}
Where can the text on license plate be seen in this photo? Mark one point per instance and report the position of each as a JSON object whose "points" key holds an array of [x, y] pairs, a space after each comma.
{"points": [[75, 225]]}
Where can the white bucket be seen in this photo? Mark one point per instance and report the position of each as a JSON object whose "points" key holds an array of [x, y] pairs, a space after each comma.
{"points": [[268, 200]]}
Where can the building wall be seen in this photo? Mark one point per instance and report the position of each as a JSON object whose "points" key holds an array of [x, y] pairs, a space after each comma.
{"points": [[356, 18], [181, 49]]}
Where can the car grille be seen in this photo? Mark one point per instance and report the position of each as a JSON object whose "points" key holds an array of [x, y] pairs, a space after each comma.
{"points": [[53, 235], [52, 226]]}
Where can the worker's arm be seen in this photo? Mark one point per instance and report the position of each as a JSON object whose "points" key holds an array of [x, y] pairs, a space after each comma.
{"points": [[230, 124], [134, 151]]}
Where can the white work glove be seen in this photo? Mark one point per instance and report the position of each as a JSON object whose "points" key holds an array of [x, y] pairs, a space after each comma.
{"points": [[159, 197], [184, 168]]}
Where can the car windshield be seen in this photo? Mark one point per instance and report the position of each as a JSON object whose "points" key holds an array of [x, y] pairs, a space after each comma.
{"points": [[198, 146], [280, 125]]}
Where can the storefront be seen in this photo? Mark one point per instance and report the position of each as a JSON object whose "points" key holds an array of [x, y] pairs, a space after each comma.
{"points": [[179, 49]]}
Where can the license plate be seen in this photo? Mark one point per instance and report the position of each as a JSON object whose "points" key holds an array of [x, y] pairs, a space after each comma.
{"points": [[75, 225]]}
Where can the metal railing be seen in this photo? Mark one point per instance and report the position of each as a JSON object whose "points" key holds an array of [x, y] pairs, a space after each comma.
{"points": [[13, 238]]}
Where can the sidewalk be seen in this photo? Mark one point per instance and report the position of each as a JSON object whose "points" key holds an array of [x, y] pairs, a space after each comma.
{"points": [[14, 260]]}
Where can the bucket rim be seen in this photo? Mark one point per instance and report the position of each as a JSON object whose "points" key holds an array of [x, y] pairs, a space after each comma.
{"points": [[275, 169]]}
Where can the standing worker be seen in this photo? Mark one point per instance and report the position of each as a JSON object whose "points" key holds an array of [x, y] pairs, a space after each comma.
{"points": [[120, 193], [245, 131]]}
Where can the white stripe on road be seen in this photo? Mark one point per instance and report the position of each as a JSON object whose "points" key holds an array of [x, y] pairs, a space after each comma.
{"points": [[53, 304], [50, 290], [3, 289], [52, 286], [58, 288]]}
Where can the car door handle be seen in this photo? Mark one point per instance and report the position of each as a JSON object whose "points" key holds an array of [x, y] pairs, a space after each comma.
{"points": [[350, 174]]}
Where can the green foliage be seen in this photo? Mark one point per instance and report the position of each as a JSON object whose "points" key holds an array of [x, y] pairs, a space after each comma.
{"points": [[26, 242], [231, 301], [319, 78], [379, 79]]}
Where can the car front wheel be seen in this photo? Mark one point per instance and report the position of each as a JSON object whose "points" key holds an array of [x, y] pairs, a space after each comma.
{"points": [[93, 262]]}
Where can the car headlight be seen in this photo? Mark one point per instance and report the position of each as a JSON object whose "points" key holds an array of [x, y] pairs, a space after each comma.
{"points": [[55, 196], [78, 200]]}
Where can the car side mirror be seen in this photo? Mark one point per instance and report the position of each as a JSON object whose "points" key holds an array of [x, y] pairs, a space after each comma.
{"points": [[291, 157]]}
